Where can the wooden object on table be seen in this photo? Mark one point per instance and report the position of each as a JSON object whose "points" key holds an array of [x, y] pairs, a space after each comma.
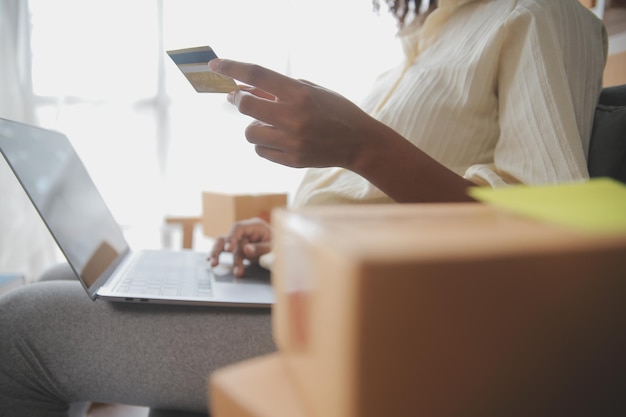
{"points": [[221, 210]]}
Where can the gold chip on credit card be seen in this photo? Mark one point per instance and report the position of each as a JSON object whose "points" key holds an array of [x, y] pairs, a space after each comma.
{"points": [[193, 63]]}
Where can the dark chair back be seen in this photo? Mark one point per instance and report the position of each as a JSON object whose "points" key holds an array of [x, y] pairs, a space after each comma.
{"points": [[607, 149]]}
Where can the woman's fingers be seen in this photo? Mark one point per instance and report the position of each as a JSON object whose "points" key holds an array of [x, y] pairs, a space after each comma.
{"points": [[256, 107], [272, 144], [263, 134], [238, 240], [238, 257], [256, 250], [218, 248], [255, 75], [300, 124], [252, 90], [270, 95]]}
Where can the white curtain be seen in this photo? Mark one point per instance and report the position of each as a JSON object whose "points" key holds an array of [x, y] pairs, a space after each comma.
{"points": [[152, 144], [26, 247]]}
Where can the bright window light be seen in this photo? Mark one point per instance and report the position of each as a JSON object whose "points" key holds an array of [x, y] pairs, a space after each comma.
{"points": [[151, 143]]}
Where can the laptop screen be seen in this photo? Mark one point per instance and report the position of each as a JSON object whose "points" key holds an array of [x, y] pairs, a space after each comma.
{"points": [[57, 183]]}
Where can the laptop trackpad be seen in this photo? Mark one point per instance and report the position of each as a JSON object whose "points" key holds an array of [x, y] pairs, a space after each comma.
{"points": [[252, 287], [253, 274]]}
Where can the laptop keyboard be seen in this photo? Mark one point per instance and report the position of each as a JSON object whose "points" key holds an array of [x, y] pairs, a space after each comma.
{"points": [[162, 273]]}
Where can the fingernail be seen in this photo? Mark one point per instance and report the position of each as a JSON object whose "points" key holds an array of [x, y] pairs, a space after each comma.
{"points": [[214, 64], [231, 97], [249, 249]]}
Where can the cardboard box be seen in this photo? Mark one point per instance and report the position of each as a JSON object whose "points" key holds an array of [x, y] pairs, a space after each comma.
{"points": [[615, 70], [221, 210], [448, 310], [258, 387]]}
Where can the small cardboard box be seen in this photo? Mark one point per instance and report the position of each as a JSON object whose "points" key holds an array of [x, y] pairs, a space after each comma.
{"points": [[615, 70], [221, 210], [257, 387], [448, 310]]}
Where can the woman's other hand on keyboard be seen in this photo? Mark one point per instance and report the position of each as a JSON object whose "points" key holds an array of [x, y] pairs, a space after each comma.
{"points": [[247, 240]]}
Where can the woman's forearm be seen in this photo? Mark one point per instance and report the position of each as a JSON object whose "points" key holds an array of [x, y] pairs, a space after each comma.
{"points": [[403, 171]]}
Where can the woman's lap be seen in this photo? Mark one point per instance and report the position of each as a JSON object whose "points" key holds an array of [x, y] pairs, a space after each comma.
{"points": [[58, 347]]}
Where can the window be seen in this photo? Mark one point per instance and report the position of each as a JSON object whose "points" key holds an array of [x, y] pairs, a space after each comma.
{"points": [[151, 143]]}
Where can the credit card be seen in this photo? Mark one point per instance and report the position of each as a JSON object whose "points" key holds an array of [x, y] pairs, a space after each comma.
{"points": [[193, 63]]}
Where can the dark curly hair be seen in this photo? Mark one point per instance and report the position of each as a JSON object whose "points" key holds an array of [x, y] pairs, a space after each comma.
{"points": [[401, 8]]}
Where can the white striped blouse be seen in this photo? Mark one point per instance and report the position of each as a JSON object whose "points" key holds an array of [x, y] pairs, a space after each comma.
{"points": [[499, 91]]}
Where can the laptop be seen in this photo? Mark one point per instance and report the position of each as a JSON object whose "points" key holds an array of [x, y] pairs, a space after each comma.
{"points": [[59, 186]]}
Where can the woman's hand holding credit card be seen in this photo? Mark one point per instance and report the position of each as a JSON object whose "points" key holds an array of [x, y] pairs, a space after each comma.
{"points": [[193, 63]]}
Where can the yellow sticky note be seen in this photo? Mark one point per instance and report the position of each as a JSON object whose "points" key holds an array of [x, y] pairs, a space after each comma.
{"points": [[598, 205]]}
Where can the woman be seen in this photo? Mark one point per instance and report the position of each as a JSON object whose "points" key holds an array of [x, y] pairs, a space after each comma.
{"points": [[491, 92]]}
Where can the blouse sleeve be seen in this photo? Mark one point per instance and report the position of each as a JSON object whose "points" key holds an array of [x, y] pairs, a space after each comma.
{"points": [[549, 80]]}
